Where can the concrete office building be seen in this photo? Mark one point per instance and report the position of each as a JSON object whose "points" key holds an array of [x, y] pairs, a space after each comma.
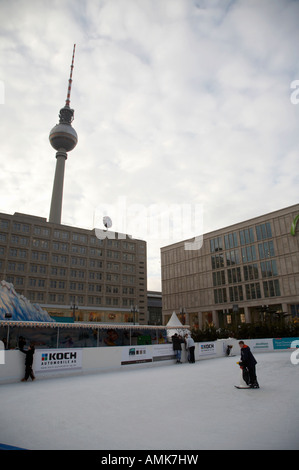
{"points": [[70, 271], [246, 272]]}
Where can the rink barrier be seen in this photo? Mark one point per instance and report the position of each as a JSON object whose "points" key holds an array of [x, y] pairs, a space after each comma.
{"points": [[49, 363]]}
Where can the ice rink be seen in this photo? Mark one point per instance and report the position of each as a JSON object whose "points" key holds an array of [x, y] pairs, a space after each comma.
{"points": [[169, 407]]}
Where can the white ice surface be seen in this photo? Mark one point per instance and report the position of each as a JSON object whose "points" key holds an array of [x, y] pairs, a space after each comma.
{"points": [[174, 406]]}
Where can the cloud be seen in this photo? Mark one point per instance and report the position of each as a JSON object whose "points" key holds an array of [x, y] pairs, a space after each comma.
{"points": [[175, 102]]}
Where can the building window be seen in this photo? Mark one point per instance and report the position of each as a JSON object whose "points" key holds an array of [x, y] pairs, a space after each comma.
{"points": [[11, 266], [247, 236], [22, 253], [218, 278], [216, 244], [250, 272], [231, 240], [16, 226], [253, 291], [4, 224], [217, 261], [234, 275], [77, 237], [235, 293], [249, 253], [31, 296], [269, 268], [295, 310], [266, 250], [232, 257], [263, 231], [271, 288], [220, 296]]}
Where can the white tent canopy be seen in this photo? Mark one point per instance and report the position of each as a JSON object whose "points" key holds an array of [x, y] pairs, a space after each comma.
{"points": [[175, 326]]}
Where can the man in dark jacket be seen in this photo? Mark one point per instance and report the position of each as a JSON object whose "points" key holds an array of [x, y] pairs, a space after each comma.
{"points": [[248, 362], [177, 347], [28, 363]]}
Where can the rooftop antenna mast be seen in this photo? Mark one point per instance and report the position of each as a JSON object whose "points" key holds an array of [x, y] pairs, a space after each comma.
{"points": [[68, 98]]}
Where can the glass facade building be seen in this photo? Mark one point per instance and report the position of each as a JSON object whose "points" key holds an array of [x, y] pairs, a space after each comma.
{"points": [[243, 273]]}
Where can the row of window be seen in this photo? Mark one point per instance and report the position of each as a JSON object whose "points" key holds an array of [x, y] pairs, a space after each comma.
{"points": [[63, 272], [250, 272], [63, 259], [82, 250], [246, 237], [252, 291], [62, 235], [72, 285], [79, 299], [248, 254], [45, 244]]}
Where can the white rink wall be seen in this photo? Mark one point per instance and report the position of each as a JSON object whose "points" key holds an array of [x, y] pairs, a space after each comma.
{"points": [[63, 362]]}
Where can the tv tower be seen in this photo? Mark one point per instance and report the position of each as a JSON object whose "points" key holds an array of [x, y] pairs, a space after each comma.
{"points": [[63, 139]]}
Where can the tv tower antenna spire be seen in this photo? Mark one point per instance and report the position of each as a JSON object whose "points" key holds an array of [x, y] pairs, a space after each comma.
{"points": [[68, 97]]}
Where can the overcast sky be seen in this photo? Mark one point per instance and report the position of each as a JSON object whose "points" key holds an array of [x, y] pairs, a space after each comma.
{"points": [[177, 102]]}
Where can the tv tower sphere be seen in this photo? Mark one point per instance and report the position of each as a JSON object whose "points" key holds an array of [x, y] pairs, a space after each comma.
{"points": [[63, 136]]}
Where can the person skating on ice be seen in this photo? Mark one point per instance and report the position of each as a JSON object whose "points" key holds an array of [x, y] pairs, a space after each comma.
{"points": [[249, 362]]}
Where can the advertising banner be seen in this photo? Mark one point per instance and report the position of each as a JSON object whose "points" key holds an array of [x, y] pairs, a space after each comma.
{"points": [[260, 345], [136, 354], [207, 349], [283, 343], [163, 352], [49, 360]]}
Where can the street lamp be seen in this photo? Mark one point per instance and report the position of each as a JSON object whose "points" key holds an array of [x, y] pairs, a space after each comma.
{"points": [[74, 307], [183, 315], [134, 309], [7, 315]]}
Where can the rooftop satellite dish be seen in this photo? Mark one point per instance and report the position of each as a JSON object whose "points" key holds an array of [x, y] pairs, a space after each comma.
{"points": [[107, 222]]}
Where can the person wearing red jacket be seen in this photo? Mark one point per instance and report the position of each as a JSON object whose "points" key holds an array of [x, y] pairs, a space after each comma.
{"points": [[248, 362]]}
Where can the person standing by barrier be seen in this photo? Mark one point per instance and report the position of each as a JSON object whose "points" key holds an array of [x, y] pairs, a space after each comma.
{"points": [[190, 347], [28, 363], [177, 347]]}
